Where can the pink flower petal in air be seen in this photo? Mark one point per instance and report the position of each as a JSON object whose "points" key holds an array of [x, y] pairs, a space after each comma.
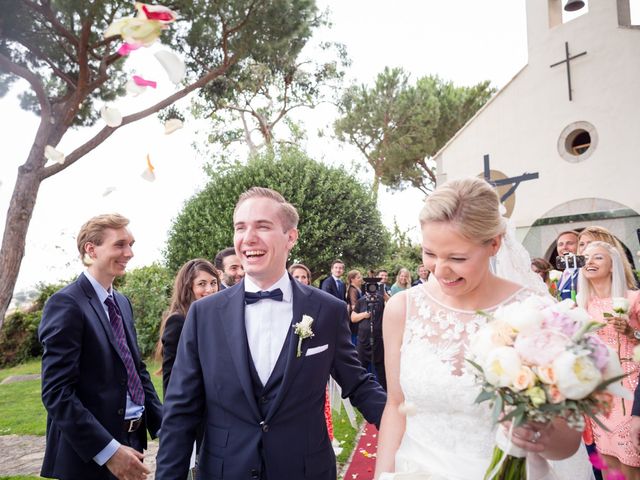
{"points": [[162, 14], [126, 48], [138, 80]]}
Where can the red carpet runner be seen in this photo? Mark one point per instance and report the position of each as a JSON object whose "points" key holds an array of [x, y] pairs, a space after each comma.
{"points": [[363, 463]]}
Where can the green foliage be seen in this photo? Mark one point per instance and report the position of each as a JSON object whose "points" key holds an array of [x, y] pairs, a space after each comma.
{"points": [[21, 409], [399, 127], [19, 336], [338, 217], [403, 254], [149, 289]]}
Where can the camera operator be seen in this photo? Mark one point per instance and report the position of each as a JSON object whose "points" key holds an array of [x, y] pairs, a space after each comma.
{"points": [[368, 314]]}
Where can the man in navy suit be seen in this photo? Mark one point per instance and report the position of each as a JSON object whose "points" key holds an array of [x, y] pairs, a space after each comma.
{"points": [[99, 398], [253, 364], [333, 284], [567, 243]]}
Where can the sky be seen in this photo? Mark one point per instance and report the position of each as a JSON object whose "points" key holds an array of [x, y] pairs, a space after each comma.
{"points": [[466, 41]]}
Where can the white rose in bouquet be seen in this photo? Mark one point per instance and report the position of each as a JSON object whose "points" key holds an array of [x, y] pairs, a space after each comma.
{"points": [[576, 375], [492, 335], [520, 316], [502, 366]]}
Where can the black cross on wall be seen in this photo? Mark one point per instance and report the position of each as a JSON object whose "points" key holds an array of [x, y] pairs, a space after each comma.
{"points": [[513, 181], [567, 60]]}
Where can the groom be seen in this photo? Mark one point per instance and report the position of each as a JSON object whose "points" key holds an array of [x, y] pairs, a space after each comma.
{"points": [[254, 381]]}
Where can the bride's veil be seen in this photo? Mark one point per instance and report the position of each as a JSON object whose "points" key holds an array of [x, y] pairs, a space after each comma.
{"points": [[514, 263]]}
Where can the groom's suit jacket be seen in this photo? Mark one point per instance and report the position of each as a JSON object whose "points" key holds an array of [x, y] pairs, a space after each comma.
{"points": [[275, 432]]}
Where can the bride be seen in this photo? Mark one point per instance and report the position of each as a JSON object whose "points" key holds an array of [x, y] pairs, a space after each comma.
{"points": [[431, 428]]}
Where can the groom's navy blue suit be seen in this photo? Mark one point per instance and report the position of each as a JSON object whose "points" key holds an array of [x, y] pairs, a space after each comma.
{"points": [[277, 431]]}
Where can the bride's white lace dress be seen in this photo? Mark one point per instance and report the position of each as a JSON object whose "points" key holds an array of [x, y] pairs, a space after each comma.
{"points": [[447, 435]]}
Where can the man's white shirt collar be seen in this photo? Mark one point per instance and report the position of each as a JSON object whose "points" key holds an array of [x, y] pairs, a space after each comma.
{"points": [[284, 284]]}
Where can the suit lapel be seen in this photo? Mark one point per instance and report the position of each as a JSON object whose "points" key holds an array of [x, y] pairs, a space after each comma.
{"points": [[98, 309], [302, 305], [232, 315]]}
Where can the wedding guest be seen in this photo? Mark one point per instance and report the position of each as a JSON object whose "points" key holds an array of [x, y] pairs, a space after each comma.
{"points": [[333, 284], [403, 281], [96, 389], [601, 287], [229, 268], [383, 275], [567, 244], [195, 280], [596, 233], [542, 268], [431, 427], [423, 275], [354, 292], [301, 273]]}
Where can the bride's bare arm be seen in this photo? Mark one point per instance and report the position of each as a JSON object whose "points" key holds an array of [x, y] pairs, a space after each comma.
{"points": [[392, 424]]}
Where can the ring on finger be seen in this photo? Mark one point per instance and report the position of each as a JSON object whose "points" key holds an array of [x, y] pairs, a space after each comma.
{"points": [[536, 436]]}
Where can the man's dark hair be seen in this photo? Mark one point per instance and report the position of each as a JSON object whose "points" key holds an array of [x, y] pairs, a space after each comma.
{"points": [[383, 270], [337, 260], [221, 255]]}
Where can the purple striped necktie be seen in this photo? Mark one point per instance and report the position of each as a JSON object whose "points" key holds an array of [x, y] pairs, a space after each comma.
{"points": [[133, 383]]}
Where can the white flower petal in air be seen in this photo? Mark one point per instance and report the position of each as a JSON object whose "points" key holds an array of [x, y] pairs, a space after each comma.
{"points": [[173, 65], [148, 175], [107, 191], [134, 89], [54, 155], [172, 125], [111, 116]]}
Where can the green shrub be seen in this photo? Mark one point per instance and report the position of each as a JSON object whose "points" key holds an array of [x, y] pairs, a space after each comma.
{"points": [[19, 336], [149, 289]]}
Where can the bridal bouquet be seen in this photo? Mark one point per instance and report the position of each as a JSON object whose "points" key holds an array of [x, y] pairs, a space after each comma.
{"points": [[537, 360]]}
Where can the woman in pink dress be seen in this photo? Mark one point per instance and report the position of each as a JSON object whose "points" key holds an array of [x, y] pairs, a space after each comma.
{"points": [[602, 287]]}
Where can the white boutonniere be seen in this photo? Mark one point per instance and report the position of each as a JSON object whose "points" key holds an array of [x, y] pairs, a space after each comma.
{"points": [[303, 330]]}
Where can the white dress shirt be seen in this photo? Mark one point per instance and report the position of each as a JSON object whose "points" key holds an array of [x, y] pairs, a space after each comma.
{"points": [[268, 323]]}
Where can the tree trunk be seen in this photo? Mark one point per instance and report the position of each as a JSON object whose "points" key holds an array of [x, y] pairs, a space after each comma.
{"points": [[19, 214]]}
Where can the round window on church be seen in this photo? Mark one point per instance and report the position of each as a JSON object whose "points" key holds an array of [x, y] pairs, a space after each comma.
{"points": [[577, 141]]}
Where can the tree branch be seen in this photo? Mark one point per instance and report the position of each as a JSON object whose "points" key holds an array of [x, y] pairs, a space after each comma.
{"points": [[48, 14], [106, 132], [34, 81], [59, 73]]}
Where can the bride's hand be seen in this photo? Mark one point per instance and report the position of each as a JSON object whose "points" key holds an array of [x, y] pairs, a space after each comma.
{"points": [[532, 436]]}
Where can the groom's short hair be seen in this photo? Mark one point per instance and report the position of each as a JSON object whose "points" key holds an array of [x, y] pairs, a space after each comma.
{"points": [[288, 213]]}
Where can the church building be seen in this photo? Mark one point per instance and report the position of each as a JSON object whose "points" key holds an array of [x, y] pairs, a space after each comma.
{"points": [[561, 140]]}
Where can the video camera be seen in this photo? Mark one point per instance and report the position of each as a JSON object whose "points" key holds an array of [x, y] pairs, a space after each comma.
{"points": [[373, 291], [569, 260], [372, 285]]}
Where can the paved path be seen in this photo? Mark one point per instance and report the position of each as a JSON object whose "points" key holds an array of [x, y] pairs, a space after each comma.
{"points": [[22, 455]]}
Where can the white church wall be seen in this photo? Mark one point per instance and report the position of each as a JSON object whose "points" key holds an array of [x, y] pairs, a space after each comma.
{"points": [[520, 128]]}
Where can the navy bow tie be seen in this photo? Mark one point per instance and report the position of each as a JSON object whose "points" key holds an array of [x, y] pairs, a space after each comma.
{"points": [[253, 297]]}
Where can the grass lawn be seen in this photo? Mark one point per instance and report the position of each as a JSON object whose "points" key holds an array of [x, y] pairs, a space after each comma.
{"points": [[20, 477], [32, 366]]}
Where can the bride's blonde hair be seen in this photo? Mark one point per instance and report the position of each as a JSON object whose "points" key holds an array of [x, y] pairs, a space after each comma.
{"points": [[470, 204]]}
